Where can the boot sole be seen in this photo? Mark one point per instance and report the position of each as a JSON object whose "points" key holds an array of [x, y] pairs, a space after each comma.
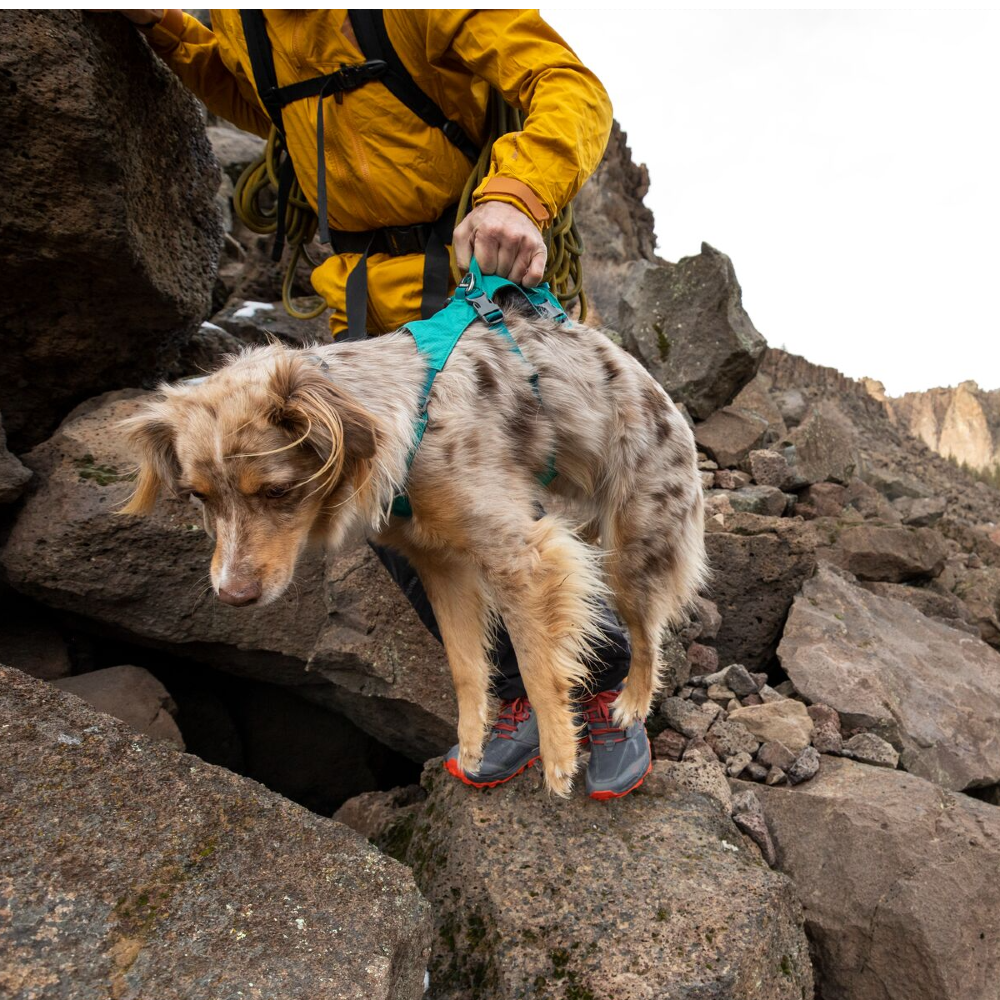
{"points": [[603, 796], [451, 766]]}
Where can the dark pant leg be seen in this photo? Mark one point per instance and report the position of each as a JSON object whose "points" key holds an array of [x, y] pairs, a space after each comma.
{"points": [[608, 665]]}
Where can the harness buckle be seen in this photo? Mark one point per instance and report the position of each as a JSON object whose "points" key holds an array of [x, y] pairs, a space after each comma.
{"points": [[486, 309]]}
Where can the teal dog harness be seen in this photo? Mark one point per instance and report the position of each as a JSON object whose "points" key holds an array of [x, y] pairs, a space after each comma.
{"points": [[436, 339]]}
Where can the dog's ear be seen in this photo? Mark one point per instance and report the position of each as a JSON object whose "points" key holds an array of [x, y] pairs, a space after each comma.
{"points": [[151, 437], [310, 407]]}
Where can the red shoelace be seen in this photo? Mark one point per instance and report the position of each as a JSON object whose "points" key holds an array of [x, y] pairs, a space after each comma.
{"points": [[597, 711], [512, 714]]}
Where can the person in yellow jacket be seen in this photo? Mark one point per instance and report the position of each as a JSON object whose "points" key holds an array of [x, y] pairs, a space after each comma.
{"points": [[385, 167]]}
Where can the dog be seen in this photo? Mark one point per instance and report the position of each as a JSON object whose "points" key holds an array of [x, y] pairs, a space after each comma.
{"points": [[289, 448]]}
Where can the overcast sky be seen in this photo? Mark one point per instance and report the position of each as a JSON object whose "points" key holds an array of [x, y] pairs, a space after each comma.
{"points": [[846, 161]]}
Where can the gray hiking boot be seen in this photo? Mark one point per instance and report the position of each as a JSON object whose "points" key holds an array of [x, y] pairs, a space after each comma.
{"points": [[512, 747], [620, 759]]}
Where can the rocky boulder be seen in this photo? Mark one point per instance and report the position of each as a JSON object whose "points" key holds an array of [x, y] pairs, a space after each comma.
{"points": [[654, 895], [344, 636], [686, 323], [898, 880], [758, 565], [13, 475], [931, 691], [110, 234], [889, 553], [130, 870], [826, 445], [131, 694]]}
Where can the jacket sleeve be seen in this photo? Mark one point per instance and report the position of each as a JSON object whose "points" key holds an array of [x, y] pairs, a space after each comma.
{"points": [[567, 110], [194, 53]]}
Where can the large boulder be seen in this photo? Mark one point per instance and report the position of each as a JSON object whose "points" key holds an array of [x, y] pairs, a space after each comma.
{"points": [[932, 691], [654, 895], [131, 694], [758, 565], [898, 880], [344, 636], [686, 323], [130, 870], [891, 553], [110, 237]]}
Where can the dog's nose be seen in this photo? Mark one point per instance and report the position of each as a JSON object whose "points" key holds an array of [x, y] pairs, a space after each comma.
{"points": [[244, 592]]}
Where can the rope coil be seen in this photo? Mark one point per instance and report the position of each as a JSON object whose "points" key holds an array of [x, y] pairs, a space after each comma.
{"points": [[256, 203]]}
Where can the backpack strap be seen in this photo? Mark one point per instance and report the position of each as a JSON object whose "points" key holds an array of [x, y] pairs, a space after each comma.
{"points": [[373, 39]]}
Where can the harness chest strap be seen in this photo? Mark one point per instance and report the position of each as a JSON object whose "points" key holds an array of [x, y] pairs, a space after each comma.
{"points": [[436, 339]]}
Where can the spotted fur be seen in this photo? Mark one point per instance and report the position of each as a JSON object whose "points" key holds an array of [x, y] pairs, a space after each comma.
{"points": [[292, 447]]}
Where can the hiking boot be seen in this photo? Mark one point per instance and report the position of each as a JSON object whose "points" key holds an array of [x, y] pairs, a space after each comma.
{"points": [[511, 748], [620, 759]]}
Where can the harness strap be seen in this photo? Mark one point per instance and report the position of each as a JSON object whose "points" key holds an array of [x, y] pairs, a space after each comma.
{"points": [[437, 337], [381, 63]]}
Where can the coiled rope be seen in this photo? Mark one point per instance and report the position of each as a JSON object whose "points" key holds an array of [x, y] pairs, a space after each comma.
{"points": [[255, 200]]}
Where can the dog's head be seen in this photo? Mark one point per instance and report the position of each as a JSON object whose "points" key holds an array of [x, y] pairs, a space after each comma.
{"points": [[270, 448]]}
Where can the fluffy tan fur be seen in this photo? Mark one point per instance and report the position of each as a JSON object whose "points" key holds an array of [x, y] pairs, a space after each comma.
{"points": [[286, 448]]}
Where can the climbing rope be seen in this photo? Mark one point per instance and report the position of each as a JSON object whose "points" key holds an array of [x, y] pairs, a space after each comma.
{"points": [[255, 200]]}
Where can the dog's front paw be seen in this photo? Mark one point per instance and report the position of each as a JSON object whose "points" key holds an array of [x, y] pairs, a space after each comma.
{"points": [[558, 779], [629, 707], [470, 760]]}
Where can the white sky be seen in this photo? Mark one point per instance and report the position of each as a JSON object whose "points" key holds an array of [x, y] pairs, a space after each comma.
{"points": [[847, 162]]}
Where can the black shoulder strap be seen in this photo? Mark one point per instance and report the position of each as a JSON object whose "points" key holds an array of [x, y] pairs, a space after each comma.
{"points": [[265, 78], [369, 27]]}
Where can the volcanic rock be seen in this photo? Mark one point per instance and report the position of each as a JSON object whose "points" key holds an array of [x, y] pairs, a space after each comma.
{"points": [[786, 721]]}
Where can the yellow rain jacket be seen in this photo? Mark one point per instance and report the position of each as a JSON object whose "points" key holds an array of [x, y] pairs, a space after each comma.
{"points": [[385, 167]]}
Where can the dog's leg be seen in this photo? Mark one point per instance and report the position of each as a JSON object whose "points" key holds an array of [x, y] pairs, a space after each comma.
{"points": [[655, 565], [456, 594], [545, 583]]}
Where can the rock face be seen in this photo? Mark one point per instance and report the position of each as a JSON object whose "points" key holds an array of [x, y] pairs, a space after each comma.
{"points": [[131, 694], [898, 881], [615, 225], [114, 261], [131, 870], [931, 691], [13, 475], [686, 323], [962, 423], [655, 895], [344, 637]]}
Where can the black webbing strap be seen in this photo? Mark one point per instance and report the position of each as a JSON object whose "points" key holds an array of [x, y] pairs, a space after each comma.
{"points": [[373, 39], [381, 62]]}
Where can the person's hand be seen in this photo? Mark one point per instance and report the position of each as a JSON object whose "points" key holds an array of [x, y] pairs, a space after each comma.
{"points": [[504, 242], [142, 18]]}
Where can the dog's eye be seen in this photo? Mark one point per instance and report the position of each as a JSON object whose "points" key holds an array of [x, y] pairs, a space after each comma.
{"points": [[276, 492]]}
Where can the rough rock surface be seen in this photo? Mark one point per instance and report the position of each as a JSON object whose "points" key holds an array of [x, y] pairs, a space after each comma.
{"points": [[130, 694], [729, 435], [615, 225], [130, 870], [785, 721], [654, 895], [345, 637], [758, 565], [112, 239], [13, 475], [898, 880], [826, 446], [895, 555], [931, 691], [687, 325]]}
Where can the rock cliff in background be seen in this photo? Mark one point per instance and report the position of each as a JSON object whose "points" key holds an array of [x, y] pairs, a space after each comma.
{"points": [[961, 423], [344, 637], [110, 236], [137, 871]]}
